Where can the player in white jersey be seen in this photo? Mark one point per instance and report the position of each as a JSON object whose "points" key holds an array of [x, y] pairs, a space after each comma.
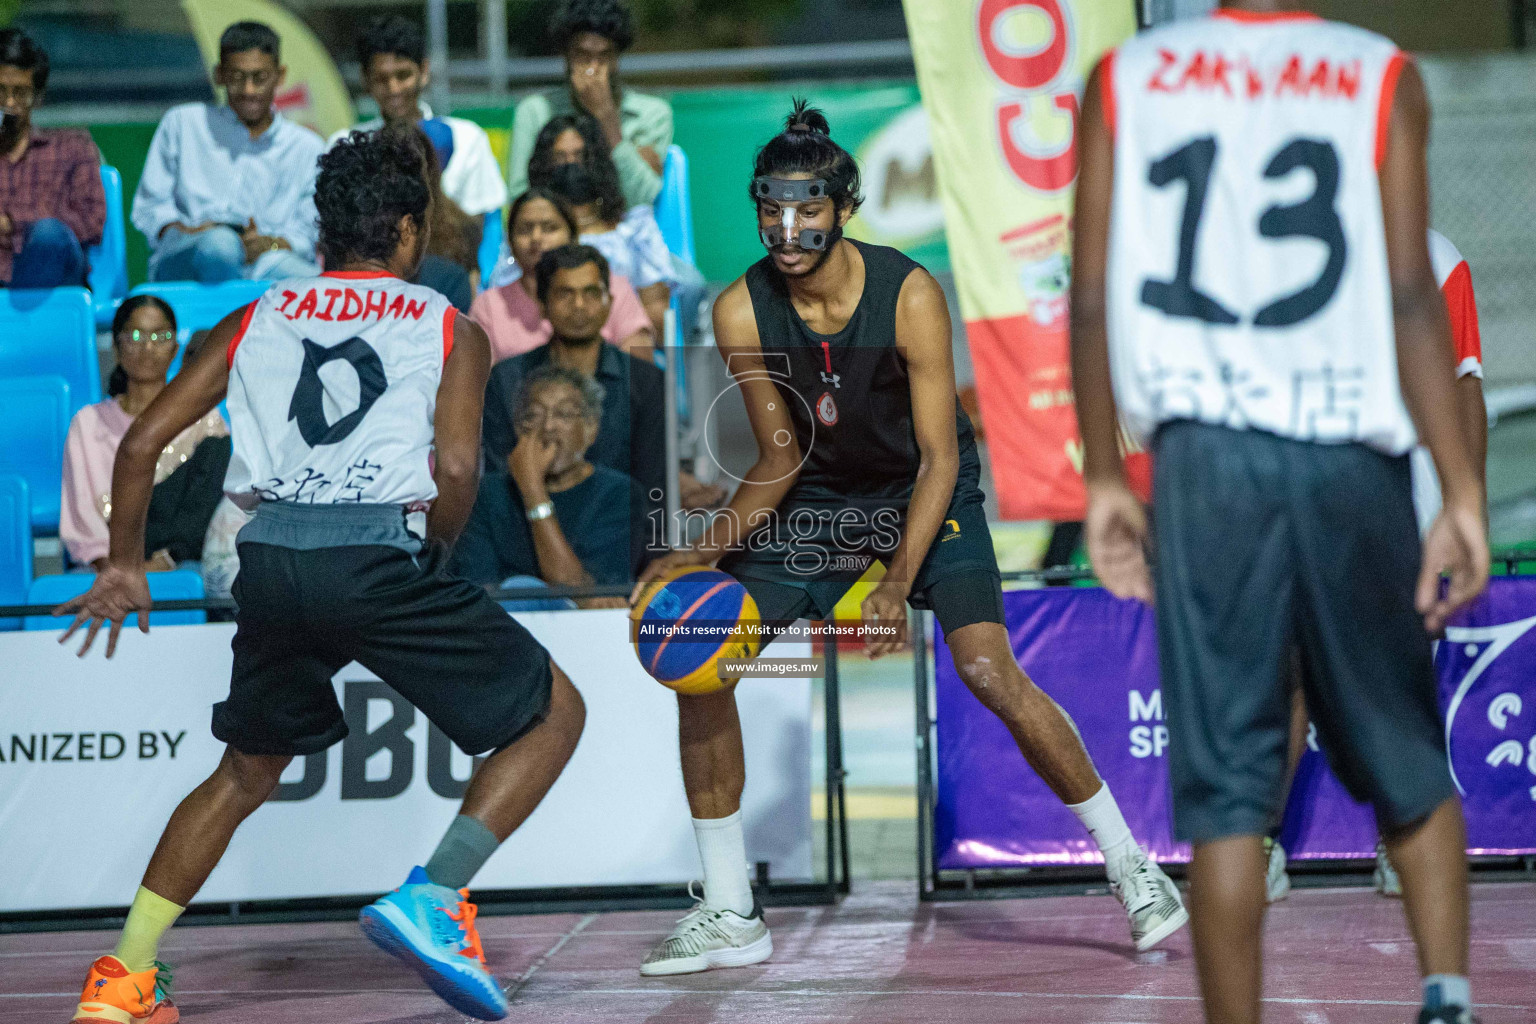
{"points": [[1253, 290], [355, 404]]}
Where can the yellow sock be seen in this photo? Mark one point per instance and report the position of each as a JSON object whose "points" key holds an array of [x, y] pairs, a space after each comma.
{"points": [[148, 919]]}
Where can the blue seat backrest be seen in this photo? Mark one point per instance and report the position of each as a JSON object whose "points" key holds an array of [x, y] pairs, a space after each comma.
{"points": [[34, 420], [109, 258], [15, 544], [180, 585], [674, 209], [51, 332], [198, 307], [490, 246]]}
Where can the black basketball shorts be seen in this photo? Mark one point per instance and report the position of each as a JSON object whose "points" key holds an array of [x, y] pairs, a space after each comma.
{"points": [[442, 643], [958, 580], [1264, 545]]}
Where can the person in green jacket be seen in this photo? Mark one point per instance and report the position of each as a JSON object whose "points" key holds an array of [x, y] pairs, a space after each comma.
{"points": [[591, 34]]}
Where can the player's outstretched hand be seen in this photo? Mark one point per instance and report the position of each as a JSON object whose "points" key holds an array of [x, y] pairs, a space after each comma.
{"points": [[885, 620], [664, 564], [116, 594], [1116, 534], [1456, 545]]}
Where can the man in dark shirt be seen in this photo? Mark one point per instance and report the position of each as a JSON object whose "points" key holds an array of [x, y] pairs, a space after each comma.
{"points": [[552, 514], [573, 290], [51, 202]]}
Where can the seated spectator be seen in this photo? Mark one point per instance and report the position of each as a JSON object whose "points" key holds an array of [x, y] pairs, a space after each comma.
{"points": [[572, 285], [392, 52], [451, 265], [637, 128], [572, 160], [552, 517], [537, 222], [51, 203], [228, 192], [189, 478]]}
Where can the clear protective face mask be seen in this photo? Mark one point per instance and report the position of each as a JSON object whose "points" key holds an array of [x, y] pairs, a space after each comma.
{"points": [[790, 193]]}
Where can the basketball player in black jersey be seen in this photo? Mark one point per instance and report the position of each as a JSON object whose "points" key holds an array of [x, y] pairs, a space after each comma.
{"points": [[842, 354]]}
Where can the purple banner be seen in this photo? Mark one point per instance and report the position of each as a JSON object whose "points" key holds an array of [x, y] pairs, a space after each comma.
{"points": [[1097, 657]]}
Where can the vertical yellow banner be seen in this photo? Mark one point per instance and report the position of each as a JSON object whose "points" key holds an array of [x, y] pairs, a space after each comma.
{"points": [[314, 94], [1002, 82]]}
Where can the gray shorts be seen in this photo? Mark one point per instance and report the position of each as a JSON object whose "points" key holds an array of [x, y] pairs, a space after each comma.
{"points": [[1263, 544]]}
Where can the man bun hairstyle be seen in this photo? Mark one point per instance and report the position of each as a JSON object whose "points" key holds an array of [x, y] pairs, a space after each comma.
{"points": [[391, 34], [367, 182], [250, 35], [608, 18], [805, 146]]}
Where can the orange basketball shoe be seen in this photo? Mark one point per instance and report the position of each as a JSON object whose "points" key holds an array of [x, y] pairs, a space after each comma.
{"points": [[115, 995]]}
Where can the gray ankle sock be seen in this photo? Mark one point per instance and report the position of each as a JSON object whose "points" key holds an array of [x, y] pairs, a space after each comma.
{"points": [[464, 849]]}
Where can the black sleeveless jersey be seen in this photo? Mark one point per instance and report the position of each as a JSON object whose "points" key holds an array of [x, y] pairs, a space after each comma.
{"points": [[848, 393]]}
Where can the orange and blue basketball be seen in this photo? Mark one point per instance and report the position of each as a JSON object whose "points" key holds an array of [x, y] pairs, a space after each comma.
{"points": [[685, 622]]}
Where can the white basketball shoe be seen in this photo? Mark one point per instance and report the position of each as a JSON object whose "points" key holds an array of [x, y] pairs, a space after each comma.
{"points": [[1151, 901], [707, 938]]}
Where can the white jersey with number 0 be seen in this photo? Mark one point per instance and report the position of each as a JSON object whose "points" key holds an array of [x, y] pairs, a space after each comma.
{"points": [[332, 392], [1247, 279]]}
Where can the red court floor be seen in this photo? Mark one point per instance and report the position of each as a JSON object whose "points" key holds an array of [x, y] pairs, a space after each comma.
{"points": [[1334, 955]]}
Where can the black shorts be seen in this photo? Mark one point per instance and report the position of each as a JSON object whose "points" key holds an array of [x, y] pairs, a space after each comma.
{"points": [[1265, 545], [958, 580], [439, 641]]}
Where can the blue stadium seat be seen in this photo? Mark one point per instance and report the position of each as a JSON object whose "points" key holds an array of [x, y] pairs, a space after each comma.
{"points": [[15, 545], [490, 246], [34, 420], [180, 585], [109, 258], [674, 209], [51, 332], [199, 307]]}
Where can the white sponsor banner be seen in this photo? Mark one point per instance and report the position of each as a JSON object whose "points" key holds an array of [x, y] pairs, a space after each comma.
{"points": [[95, 755]]}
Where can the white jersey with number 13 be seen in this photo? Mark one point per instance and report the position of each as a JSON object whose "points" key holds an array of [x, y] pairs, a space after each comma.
{"points": [[1247, 279]]}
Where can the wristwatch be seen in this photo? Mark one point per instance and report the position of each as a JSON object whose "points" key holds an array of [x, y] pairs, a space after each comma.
{"points": [[543, 510]]}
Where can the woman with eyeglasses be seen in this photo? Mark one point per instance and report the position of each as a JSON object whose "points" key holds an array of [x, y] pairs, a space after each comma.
{"points": [[189, 479]]}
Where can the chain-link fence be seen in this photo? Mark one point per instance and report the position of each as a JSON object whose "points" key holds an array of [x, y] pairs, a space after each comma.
{"points": [[1482, 163]]}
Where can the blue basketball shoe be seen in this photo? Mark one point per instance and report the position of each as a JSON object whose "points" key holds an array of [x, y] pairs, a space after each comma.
{"points": [[431, 929]]}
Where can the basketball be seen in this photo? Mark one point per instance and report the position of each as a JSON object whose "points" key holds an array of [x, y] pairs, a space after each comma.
{"points": [[687, 621]]}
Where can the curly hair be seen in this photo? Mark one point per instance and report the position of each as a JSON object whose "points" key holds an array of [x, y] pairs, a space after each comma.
{"points": [[805, 146], [597, 161], [367, 182], [608, 18]]}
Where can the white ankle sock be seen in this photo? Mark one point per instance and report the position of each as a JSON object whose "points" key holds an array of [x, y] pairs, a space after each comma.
{"points": [[1447, 990], [1101, 816], [723, 849]]}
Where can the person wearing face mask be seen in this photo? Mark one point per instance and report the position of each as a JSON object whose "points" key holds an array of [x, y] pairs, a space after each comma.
{"points": [[553, 517], [538, 221], [51, 202], [590, 35], [189, 472], [228, 192]]}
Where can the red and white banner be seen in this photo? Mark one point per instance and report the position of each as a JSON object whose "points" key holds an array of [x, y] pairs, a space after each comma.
{"points": [[1001, 81]]}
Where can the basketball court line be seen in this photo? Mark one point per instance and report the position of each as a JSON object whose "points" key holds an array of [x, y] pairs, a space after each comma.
{"points": [[814, 993], [533, 968]]}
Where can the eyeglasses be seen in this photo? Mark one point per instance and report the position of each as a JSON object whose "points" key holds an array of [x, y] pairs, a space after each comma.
{"points": [[259, 79], [144, 339], [17, 95], [564, 415]]}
